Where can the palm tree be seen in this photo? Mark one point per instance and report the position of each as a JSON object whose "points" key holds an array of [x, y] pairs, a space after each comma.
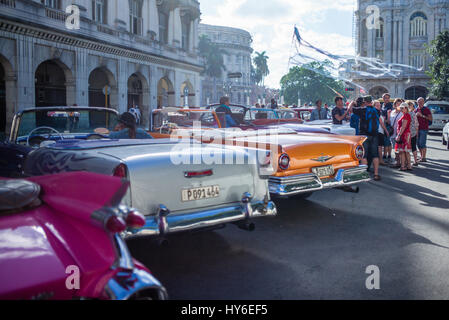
{"points": [[213, 59], [261, 62]]}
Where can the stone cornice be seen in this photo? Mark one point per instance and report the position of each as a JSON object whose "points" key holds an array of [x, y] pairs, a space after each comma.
{"points": [[16, 27]]}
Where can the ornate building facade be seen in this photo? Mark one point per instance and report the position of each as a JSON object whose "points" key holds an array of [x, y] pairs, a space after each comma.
{"points": [[403, 31], [236, 43], [124, 53]]}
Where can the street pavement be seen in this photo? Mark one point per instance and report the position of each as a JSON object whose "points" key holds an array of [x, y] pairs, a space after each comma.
{"points": [[319, 248]]}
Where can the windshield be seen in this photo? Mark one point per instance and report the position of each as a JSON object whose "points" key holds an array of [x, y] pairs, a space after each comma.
{"points": [[65, 122], [285, 114], [259, 114], [439, 109], [184, 118]]}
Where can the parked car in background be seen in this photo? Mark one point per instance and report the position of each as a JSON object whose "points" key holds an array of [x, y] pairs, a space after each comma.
{"points": [[262, 118], [57, 226], [306, 162], [440, 113], [446, 135], [342, 129]]}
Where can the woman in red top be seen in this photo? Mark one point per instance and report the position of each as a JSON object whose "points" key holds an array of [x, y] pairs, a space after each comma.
{"points": [[403, 139]]}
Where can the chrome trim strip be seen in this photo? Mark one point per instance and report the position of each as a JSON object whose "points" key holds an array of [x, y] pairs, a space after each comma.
{"points": [[201, 219], [142, 281], [288, 186]]}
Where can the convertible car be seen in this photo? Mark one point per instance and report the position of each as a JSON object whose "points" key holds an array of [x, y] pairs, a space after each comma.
{"points": [[60, 240], [306, 162], [178, 185], [260, 118]]}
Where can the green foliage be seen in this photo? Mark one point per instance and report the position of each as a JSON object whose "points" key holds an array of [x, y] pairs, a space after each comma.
{"points": [[213, 57], [261, 71], [439, 68], [312, 82]]}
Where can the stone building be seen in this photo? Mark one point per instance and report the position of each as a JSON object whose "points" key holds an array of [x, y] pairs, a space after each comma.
{"points": [[125, 53], [237, 59], [405, 28]]}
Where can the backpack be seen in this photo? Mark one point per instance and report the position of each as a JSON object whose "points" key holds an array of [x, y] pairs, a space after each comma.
{"points": [[354, 122], [371, 123]]}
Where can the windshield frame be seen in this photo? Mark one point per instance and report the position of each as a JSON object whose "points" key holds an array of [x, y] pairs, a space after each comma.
{"points": [[14, 133]]}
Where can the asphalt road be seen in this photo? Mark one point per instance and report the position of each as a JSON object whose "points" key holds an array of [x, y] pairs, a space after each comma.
{"points": [[320, 248]]}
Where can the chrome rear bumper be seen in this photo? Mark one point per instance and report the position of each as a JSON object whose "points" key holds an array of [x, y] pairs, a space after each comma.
{"points": [[288, 186], [164, 222]]}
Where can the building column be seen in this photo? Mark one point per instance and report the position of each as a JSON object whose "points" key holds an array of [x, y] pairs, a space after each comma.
{"points": [[81, 79], [153, 88], [388, 40], [11, 99], [198, 90], [401, 42], [25, 74], [122, 86], [177, 88]]}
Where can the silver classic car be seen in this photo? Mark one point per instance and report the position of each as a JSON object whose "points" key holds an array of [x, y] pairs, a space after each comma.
{"points": [[179, 185], [172, 183]]}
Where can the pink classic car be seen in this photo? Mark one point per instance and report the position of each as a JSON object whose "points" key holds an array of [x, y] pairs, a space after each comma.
{"points": [[60, 239]]}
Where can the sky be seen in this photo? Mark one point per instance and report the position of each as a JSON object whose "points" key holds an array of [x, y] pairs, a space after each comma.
{"points": [[326, 24]]}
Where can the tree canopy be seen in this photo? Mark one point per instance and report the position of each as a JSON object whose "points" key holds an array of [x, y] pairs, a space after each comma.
{"points": [[213, 57], [262, 70], [439, 68], [312, 82]]}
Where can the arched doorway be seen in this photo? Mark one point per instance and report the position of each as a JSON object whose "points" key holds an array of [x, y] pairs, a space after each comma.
{"points": [[101, 88], [2, 99], [378, 92], [415, 92], [139, 96], [187, 95], [135, 92], [165, 94], [50, 85]]}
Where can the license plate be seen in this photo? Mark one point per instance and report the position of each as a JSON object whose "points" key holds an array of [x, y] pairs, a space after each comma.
{"points": [[194, 194], [323, 171]]}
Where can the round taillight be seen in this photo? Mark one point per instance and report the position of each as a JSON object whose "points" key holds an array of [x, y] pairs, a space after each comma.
{"points": [[359, 152], [120, 171], [115, 224], [284, 161], [135, 220]]}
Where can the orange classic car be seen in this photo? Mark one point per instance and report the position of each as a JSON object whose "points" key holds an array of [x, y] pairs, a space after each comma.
{"points": [[306, 162]]}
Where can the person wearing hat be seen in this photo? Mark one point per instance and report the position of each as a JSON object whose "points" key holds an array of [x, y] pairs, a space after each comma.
{"points": [[127, 128]]}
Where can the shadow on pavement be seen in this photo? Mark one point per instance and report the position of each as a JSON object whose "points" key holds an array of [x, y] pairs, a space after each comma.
{"points": [[307, 252]]}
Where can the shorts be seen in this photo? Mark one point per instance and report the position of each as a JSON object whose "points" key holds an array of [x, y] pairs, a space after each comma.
{"points": [[381, 139], [387, 141], [422, 139], [414, 143], [371, 146]]}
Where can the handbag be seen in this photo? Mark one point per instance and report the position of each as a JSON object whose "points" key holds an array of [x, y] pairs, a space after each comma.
{"points": [[400, 140]]}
